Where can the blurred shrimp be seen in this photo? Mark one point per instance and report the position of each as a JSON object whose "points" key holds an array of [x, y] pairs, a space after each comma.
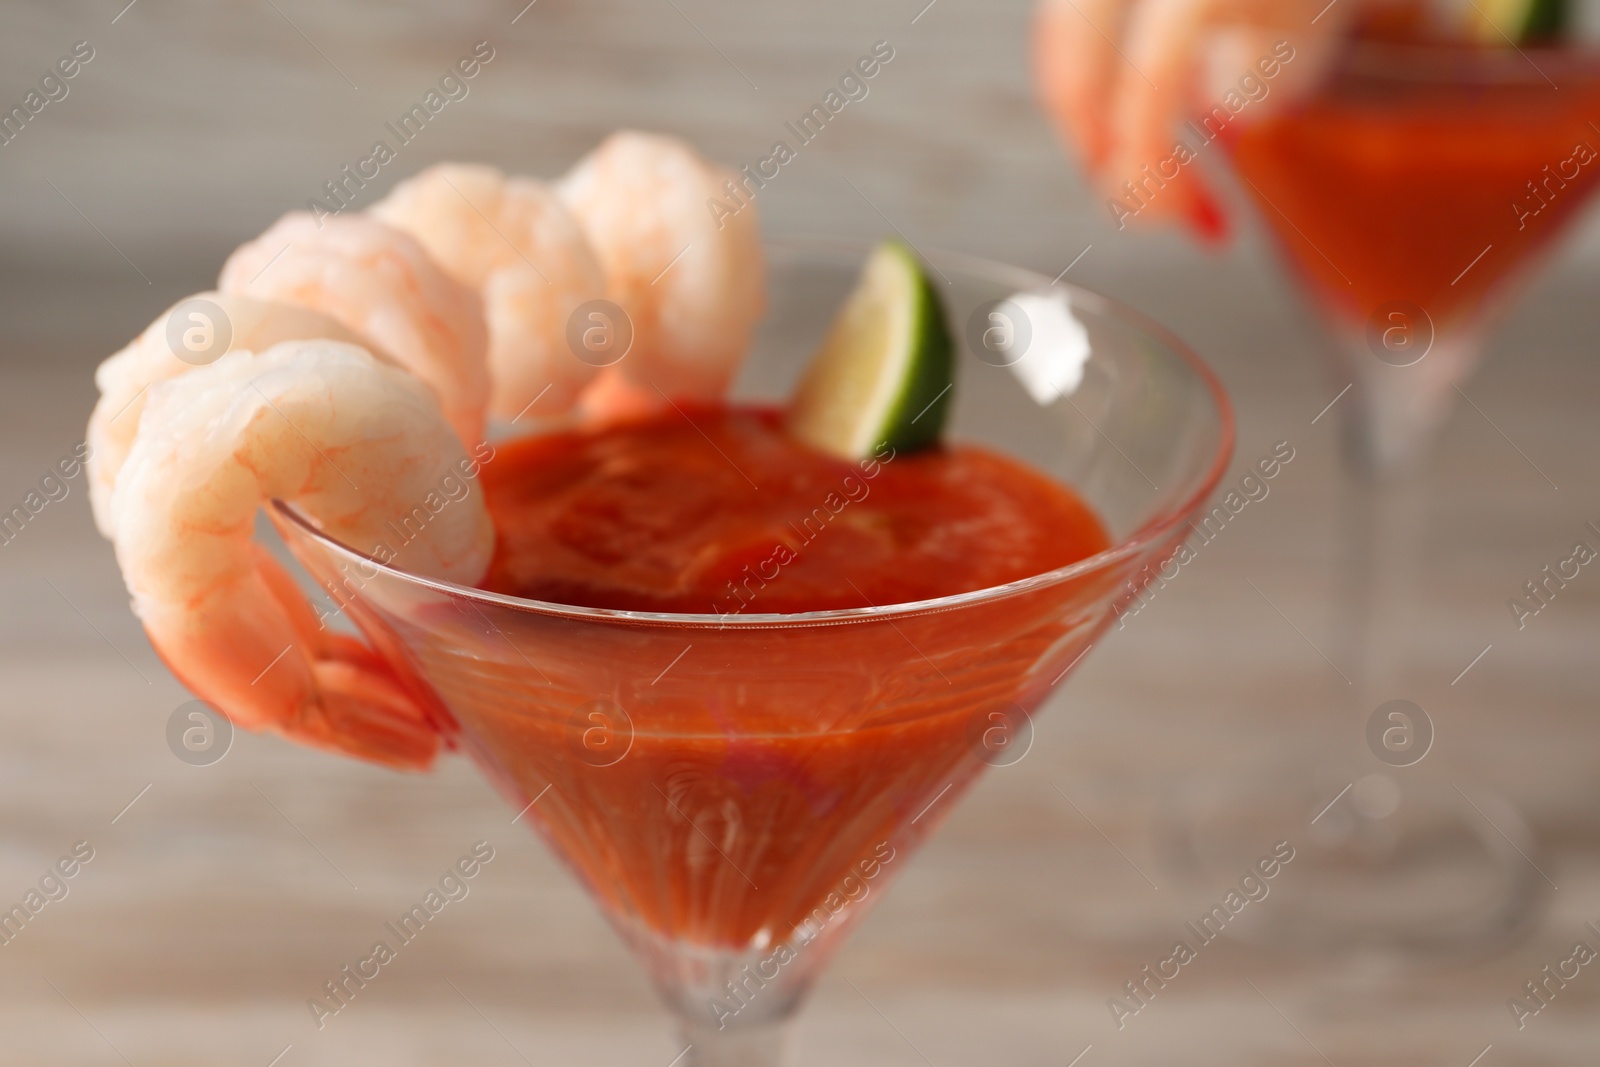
{"points": [[1119, 76], [380, 283], [354, 444], [195, 331], [513, 241], [692, 285]]}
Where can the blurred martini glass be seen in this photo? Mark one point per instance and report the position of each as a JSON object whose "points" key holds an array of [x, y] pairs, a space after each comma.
{"points": [[736, 790], [1411, 194]]}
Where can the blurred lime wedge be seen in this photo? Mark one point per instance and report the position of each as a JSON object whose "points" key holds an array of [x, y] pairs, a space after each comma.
{"points": [[1520, 21], [885, 372]]}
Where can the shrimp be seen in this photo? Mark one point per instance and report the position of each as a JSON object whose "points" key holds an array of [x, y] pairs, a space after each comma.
{"points": [[191, 333], [381, 284], [352, 442], [513, 241], [1118, 76], [693, 285]]}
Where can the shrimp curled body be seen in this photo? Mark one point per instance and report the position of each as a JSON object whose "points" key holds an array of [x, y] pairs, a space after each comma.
{"points": [[693, 285], [381, 284], [513, 241], [125, 378], [356, 373], [1119, 76], [350, 441]]}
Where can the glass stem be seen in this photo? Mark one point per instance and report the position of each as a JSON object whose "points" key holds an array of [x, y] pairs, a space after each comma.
{"points": [[1384, 520], [768, 1045], [1394, 413], [1390, 420]]}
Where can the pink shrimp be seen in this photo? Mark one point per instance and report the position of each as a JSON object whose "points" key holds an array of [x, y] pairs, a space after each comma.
{"points": [[1118, 76], [351, 441], [692, 284], [381, 284], [513, 241], [195, 331], [310, 401]]}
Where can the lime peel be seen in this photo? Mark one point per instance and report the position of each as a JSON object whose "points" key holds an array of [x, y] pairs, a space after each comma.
{"points": [[1519, 21], [884, 374]]}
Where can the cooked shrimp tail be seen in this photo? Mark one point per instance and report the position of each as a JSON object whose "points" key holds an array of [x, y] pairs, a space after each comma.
{"points": [[352, 443]]}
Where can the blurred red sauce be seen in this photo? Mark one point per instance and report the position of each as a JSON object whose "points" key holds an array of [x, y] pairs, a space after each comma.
{"points": [[1429, 189]]}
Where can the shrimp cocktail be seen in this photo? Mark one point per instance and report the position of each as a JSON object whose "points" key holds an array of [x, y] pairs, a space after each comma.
{"points": [[715, 555], [1411, 159]]}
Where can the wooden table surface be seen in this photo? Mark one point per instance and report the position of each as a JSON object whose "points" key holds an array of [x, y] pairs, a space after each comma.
{"points": [[220, 898]]}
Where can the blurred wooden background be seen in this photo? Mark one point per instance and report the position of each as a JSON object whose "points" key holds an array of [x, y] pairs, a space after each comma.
{"points": [[225, 895]]}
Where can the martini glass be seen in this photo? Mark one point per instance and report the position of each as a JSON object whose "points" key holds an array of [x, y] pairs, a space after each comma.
{"points": [[1411, 195], [736, 792]]}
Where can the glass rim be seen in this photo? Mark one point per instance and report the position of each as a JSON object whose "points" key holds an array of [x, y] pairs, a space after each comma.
{"points": [[1150, 532], [1465, 63]]}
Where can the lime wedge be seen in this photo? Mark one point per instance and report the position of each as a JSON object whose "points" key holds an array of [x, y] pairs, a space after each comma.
{"points": [[1520, 21], [885, 372]]}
